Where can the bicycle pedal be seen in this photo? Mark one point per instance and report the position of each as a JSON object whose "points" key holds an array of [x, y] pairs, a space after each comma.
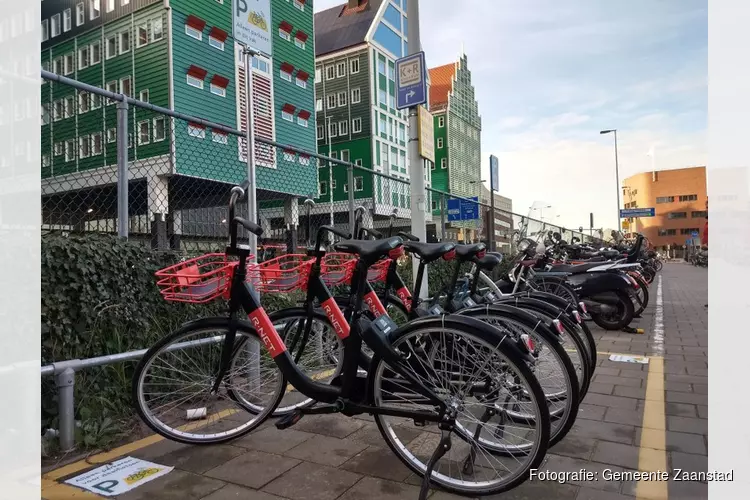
{"points": [[289, 420]]}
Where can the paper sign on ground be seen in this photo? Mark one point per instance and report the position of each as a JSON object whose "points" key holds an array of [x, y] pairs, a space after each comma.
{"points": [[629, 359], [119, 476]]}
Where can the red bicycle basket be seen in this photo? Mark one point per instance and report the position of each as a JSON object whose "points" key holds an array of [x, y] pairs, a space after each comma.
{"points": [[337, 268], [287, 273], [379, 271], [198, 280]]}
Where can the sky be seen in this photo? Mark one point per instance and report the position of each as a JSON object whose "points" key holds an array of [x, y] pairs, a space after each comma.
{"points": [[550, 74]]}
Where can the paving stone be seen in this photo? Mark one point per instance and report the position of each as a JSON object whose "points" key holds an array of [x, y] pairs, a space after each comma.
{"points": [[611, 401], [686, 424], [688, 462], [630, 392], [684, 397], [628, 417], [626, 381], [596, 387], [633, 374], [273, 440], [159, 449], [606, 431], [234, 492], [700, 388], [585, 493], [538, 490], [312, 482], [687, 379], [177, 485], [574, 446], [380, 489], [678, 386], [254, 469], [556, 463], [688, 490], [616, 454], [326, 450], [199, 459], [680, 410], [378, 462], [702, 411], [329, 425], [614, 372], [591, 412]]}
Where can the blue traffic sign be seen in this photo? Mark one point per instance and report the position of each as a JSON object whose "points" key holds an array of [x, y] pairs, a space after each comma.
{"points": [[494, 174], [411, 81], [694, 234], [461, 209], [637, 212]]}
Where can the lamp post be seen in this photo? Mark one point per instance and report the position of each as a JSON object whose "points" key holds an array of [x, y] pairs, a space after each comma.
{"points": [[617, 173]]}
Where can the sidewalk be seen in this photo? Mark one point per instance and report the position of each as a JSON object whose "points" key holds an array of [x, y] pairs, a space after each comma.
{"points": [[647, 417]]}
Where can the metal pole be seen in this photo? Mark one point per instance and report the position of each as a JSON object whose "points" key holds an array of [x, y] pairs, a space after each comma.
{"points": [[350, 193], [65, 382], [617, 178], [330, 170], [442, 217], [252, 214], [416, 167], [122, 169], [492, 219]]}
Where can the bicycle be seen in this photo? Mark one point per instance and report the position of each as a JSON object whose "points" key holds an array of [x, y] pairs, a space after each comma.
{"points": [[443, 390]]}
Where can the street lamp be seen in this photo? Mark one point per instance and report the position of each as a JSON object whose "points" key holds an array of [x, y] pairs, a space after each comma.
{"points": [[617, 173]]}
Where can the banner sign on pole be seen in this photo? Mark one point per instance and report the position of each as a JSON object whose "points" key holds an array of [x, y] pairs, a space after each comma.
{"points": [[494, 174], [251, 24]]}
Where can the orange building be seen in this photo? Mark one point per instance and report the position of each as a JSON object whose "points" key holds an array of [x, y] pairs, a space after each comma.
{"points": [[679, 199]]}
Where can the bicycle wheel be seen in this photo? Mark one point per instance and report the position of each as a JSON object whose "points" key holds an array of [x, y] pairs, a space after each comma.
{"points": [[560, 378], [315, 348], [642, 295], [172, 384], [480, 373], [555, 286]]}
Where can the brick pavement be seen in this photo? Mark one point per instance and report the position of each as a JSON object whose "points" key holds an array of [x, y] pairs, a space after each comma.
{"points": [[332, 457]]}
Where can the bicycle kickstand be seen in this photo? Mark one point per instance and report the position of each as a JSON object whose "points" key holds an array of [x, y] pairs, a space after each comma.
{"points": [[442, 449]]}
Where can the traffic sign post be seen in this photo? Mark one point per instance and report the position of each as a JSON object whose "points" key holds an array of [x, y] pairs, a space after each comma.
{"points": [[494, 183], [694, 234], [463, 209], [637, 212], [411, 81]]}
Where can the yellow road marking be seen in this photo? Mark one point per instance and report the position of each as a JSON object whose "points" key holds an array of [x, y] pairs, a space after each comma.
{"points": [[316, 376], [652, 454]]}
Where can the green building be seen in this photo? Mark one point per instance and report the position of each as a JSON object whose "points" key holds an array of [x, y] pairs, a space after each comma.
{"points": [[458, 130], [357, 44], [177, 54]]}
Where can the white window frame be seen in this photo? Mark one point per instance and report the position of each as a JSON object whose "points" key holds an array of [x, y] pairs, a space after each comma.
{"points": [[330, 72], [302, 122], [342, 96], [92, 147], [443, 163], [299, 43], [111, 135], [345, 155], [331, 98], [45, 161], [440, 143], [300, 82], [441, 121], [110, 5], [357, 125], [322, 188], [332, 129], [57, 65], [219, 137], [143, 95], [359, 183], [340, 69], [356, 95], [284, 75], [68, 67], [157, 22], [193, 33], [55, 26], [98, 52], [58, 149], [70, 145], [83, 62], [120, 40], [95, 9], [80, 13], [353, 68], [67, 20], [69, 103], [304, 160], [84, 102], [164, 129], [286, 115], [111, 86], [217, 90], [130, 85], [58, 110], [196, 132], [319, 104], [299, 5], [215, 43], [138, 42], [107, 45], [194, 81], [46, 113], [318, 75], [84, 141], [320, 132], [345, 127], [333, 184], [45, 30], [285, 35]]}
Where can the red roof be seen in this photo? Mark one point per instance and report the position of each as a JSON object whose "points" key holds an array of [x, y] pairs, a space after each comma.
{"points": [[441, 83], [286, 67], [197, 72], [301, 36], [220, 81], [218, 33], [196, 125], [303, 75], [285, 26], [304, 114], [195, 22], [289, 108]]}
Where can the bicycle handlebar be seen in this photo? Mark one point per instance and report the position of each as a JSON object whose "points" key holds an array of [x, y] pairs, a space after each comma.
{"points": [[323, 229], [237, 193], [408, 236]]}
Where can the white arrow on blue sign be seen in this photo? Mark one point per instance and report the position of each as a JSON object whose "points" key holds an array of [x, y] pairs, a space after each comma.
{"points": [[411, 81]]}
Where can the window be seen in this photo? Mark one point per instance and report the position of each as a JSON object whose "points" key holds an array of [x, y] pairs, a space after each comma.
{"points": [[344, 127], [322, 188], [68, 104], [57, 66], [194, 81], [84, 147], [432, 166], [382, 99], [300, 4], [219, 137], [664, 199], [197, 131], [45, 113], [110, 5], [356, 125], [359, 184], [112, 87], [58, 149], [300, 40], [689, 230], [143, 96], [144, 132], [111, 135], [381, 66], [699, 214], [142, 31], [83, 58], [332, 130], [286, 72], [340, 69], [290, 155], [55, 21], [156, 30], [57, 110], [353, 66], [302, 118], [94, 9], [124, 42], [80, 14], [45, 30], [218, 90], [261, 65], [84, 104], [689, 197], [193, 32], [96, 144], [45, 161], [441, 121], [318, 104], [285, 31], [215, 43], [287, 113], [667, 232], [304, 160], [342, 99], [70, 146], [321, 132], [444, 163], [160, 132], [358, 162], [330, 72], [333, 184], [331, 101], [125, 87], [677, 215], [68, 60], [95, 53], [111, 45], [356, 95], [301, 80], [318, 75], [334, 154], [67, 20], [440, 143], [345, 155]]}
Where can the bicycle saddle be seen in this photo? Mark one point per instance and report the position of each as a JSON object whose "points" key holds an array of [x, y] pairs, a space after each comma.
{"points": [[429, 252], [369, 251]]}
